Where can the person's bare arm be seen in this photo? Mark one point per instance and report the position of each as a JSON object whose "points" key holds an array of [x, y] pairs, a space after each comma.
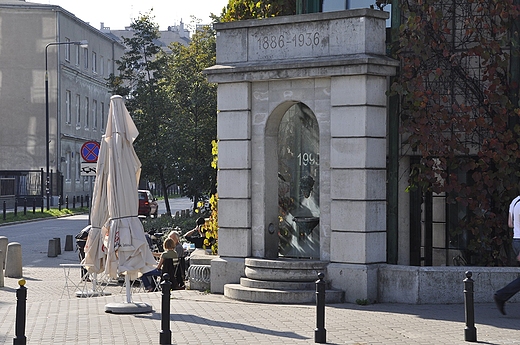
{"points": [[189, 233], [159, 265]]}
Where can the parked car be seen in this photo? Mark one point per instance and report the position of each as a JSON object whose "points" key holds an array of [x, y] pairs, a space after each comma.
{"points": [[147, 204]]}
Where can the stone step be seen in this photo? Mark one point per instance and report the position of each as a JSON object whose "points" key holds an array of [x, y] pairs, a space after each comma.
{"points": [[277, 285], [286, 263], [242, 293], [284, 269]]}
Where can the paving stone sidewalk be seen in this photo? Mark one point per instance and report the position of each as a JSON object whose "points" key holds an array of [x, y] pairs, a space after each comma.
{"points": [[199, 318], [55, 316]]}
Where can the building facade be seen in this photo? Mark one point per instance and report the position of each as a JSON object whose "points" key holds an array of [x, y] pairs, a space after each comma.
{"points": [[174, 34], [78, 98]]}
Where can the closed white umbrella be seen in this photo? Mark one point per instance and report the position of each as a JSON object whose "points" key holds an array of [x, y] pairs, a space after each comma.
{"points": [[121, 233], [95, 251]]}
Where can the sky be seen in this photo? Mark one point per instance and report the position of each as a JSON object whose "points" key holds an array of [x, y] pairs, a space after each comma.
{"points": [[117, 14]]}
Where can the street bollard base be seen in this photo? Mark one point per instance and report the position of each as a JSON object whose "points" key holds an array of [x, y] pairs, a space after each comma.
{"points": [[470, 334], [20, 340], [320, 336], [165, 337]]}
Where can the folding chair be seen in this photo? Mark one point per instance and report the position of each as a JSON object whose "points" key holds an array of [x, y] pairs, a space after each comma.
{"points": [[171, 266]]}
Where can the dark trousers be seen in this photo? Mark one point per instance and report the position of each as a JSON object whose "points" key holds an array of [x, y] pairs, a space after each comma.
{"points": [[512, 288], [84, 273], [147, 281], [509, 290]]}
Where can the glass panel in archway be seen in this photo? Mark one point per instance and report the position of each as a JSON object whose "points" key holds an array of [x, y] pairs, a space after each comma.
{"points": [[298, 183]]}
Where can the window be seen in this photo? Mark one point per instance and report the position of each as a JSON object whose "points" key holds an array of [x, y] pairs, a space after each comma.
{"points": [[94, 115], [85, 57], [77, 55], [102, 116], [67, 50], [94, 61], [334, 5], [78, 111], [109, 67], [102, 65], [68, 167], [87, 110], [78, 167], [68, 107]]}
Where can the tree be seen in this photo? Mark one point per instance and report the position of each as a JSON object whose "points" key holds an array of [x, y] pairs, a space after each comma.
{"points": [[251, 9], [141, 82], [194, 103], [459, 109]]}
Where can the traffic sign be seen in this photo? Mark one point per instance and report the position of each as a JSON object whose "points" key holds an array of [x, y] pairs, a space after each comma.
{"points": [[88, 169], [90, 151]]}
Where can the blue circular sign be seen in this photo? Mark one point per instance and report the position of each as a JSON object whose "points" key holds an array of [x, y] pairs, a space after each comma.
{"points": [[90, 151]]}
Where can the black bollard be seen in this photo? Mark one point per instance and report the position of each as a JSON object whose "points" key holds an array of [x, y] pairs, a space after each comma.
{"points": [[59, 203], [42, 206], [21, 301], [24, 206], [470, 332], [320, 333], [4, 210], [165, 336], [34, 205], [81, 201], [74, 202], [67, 202], [15, 207]]}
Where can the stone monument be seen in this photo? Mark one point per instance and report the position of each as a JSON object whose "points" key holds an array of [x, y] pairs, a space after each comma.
{"points": [[301, 126]]}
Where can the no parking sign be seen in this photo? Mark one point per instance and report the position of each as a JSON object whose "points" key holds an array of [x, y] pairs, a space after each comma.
{"points": [[90, 151]]}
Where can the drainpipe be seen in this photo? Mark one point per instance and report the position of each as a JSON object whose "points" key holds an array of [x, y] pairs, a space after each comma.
{"points": [[393, 151], [515, 66]]}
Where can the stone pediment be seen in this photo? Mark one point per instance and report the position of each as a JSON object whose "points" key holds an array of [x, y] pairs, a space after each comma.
{"points": [[305, 46]]}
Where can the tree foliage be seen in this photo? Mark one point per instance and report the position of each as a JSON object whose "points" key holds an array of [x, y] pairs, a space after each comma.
{"points": [[194, 102], [458, 112], [251, 9], [141, 82]]}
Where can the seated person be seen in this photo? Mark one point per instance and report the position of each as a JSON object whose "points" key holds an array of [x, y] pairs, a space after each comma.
{"points": [[197, 235], [81, 241], [169, 253], [180, 272]]}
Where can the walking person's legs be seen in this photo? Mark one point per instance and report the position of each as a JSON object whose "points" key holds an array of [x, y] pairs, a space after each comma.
{"points": [[508, 291]]}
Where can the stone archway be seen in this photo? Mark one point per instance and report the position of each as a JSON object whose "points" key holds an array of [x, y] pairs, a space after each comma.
{"points": [[299, 184], [290, 126]]}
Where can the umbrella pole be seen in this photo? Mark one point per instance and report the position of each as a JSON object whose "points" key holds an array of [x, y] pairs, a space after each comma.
{"points": [[94, 282], [128, 288]]}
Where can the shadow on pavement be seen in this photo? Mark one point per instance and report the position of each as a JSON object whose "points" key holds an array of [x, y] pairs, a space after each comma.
{"points": [[485, 313], [223, 324]]}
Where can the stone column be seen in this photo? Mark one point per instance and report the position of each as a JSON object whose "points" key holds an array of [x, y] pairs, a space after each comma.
{"points": [[234, 182], [358, 189]]}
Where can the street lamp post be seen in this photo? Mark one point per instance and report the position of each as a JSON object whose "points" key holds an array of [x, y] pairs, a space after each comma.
{"points": [[83, 44]]}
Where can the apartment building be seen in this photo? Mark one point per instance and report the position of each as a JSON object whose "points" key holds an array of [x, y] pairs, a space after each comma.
{"points": [[35, 39]]}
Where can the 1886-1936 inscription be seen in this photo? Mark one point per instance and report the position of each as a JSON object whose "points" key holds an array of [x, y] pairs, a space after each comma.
{"points": [[295, 41]]}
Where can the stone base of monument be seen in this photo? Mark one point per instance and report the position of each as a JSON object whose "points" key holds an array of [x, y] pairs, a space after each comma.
{"points": [[288, 281]]}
